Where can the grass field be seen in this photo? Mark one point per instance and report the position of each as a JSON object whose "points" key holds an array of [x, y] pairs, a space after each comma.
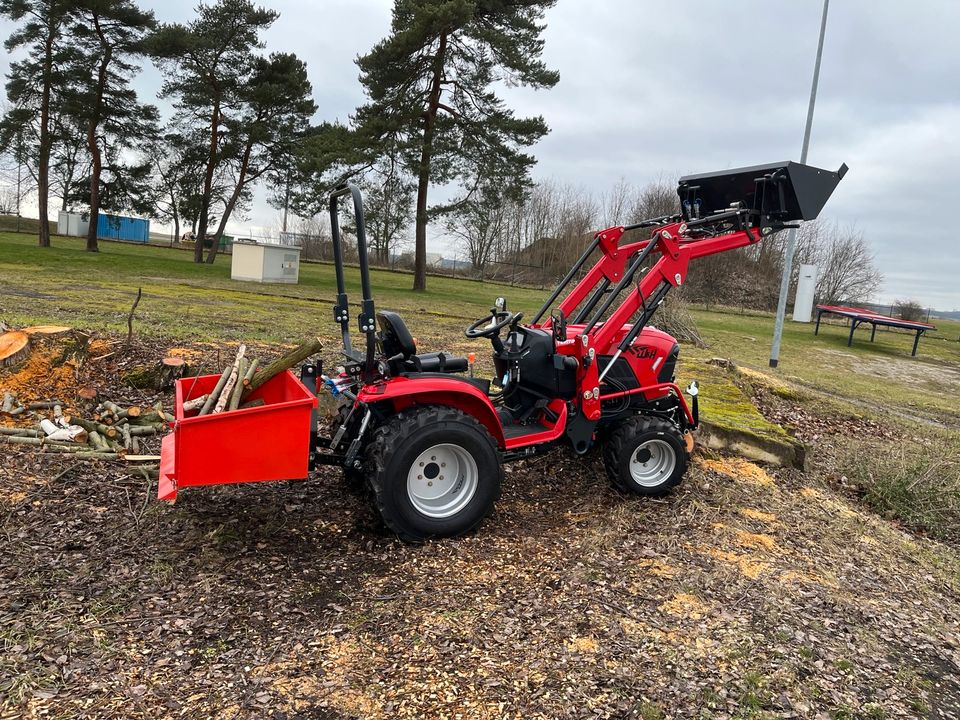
{"points": [[186, 300]]}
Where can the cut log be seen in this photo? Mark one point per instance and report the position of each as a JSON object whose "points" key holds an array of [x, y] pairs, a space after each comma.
{"points": [[72, 448], [231, 381], [43, 405], [23, 432], [141, 430], [24, 440], [286, 362], [195, 404], [253, 403], [248, 375], [47, 330], [142, 458], [215, 395], [134, 411], [126, 437], [14, 347], [92, 427], [238, 388], [153, 418], [8, 400]]}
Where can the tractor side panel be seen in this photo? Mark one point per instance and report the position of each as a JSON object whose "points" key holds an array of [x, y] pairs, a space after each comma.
{"points": [[653, 357], [650, 359]]}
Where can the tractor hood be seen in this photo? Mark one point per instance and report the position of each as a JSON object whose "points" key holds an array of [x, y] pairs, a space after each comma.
{"points": [[779, 192]]}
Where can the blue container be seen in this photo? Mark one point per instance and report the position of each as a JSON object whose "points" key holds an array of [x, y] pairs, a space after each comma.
{"points": [[118, 227]]}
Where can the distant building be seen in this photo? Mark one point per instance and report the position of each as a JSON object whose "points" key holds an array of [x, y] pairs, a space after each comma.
{"points": [[109, 227]]}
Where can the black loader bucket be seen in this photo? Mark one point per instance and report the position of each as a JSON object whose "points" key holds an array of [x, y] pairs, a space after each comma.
{"points": [[778, 193]]}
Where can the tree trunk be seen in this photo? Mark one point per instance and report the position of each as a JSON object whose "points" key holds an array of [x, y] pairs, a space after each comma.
{"points": [[43, 160], [423, 180], [231, 203], [96, 167], [208, 181]]}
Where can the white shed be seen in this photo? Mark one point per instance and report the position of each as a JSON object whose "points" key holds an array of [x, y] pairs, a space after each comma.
{"points": [[73, 224], [255, 262]]}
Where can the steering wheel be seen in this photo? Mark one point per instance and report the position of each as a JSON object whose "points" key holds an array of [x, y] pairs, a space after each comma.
{"points": [[492, 324]]}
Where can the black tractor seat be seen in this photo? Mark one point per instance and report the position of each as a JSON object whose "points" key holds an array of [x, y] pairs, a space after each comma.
{"points": [[401, 351]]}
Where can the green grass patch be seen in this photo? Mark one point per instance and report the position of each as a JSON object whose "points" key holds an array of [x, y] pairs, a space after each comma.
{"points": [[187, 300], [881, 374], [915, 480]]}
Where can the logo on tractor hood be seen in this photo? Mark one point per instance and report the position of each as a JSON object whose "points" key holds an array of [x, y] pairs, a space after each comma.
{"points": [[644, 352]]}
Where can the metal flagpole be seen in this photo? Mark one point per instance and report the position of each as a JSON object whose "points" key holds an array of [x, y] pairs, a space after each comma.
{"points": [[792, 234]]}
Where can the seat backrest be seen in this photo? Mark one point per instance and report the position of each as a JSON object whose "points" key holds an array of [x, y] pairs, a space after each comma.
{"points": [[394, 336]]}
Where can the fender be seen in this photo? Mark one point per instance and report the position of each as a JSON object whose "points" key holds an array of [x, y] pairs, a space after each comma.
{"points": [[402, 393]]}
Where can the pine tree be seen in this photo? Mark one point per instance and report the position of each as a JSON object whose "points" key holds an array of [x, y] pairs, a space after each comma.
{"points": [[430, 87], [110, 35], [276, 106], [34, 82], [207, 64]]}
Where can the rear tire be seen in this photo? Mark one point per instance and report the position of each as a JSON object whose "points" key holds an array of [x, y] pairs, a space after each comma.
{"points": [[435, 472], [645, 456]]}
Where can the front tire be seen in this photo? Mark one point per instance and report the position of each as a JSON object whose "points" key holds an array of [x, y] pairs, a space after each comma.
{"points": [[645, 456], [435, 472]]}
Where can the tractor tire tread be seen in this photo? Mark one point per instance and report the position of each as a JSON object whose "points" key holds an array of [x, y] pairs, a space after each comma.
{"points": [[395, 432], [626, 434]]}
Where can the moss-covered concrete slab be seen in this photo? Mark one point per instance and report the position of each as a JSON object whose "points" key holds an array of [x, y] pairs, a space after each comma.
{"points": [[730, 421]]}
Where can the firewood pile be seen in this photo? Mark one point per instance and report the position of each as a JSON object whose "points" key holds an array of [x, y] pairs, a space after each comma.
{"points": [[241, 378], [109, 433]]}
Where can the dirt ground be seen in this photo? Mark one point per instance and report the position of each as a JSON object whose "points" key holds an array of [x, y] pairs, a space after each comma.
{"points": [[748, 593]]}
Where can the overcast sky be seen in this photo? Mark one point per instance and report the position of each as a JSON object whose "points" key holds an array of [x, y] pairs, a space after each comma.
{"points": [[666, 88]]}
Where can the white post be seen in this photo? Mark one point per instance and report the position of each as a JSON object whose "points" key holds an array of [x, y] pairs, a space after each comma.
{"points": [[806, 288]]}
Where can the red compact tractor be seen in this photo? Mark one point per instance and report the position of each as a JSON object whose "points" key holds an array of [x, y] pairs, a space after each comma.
{"points": [[430, 440]]}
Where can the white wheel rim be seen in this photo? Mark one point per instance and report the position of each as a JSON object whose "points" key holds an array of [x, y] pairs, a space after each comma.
{"points": [[652, 463], [442, 480]]}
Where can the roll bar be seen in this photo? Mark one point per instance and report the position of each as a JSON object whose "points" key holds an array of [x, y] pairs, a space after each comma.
{"points": [[341, 311]]}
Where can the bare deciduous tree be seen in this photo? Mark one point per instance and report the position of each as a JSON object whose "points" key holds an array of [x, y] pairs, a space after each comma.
{"points": [[909, 310], [848, 272]]}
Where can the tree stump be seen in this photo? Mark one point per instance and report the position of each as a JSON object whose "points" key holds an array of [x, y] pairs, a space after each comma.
{"points": [[47, 330], [160, 376], [14, 347]]}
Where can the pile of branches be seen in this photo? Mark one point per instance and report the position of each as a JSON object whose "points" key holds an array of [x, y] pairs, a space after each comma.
{"points": [[241, 378], [109, 433], [674, 318]]}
